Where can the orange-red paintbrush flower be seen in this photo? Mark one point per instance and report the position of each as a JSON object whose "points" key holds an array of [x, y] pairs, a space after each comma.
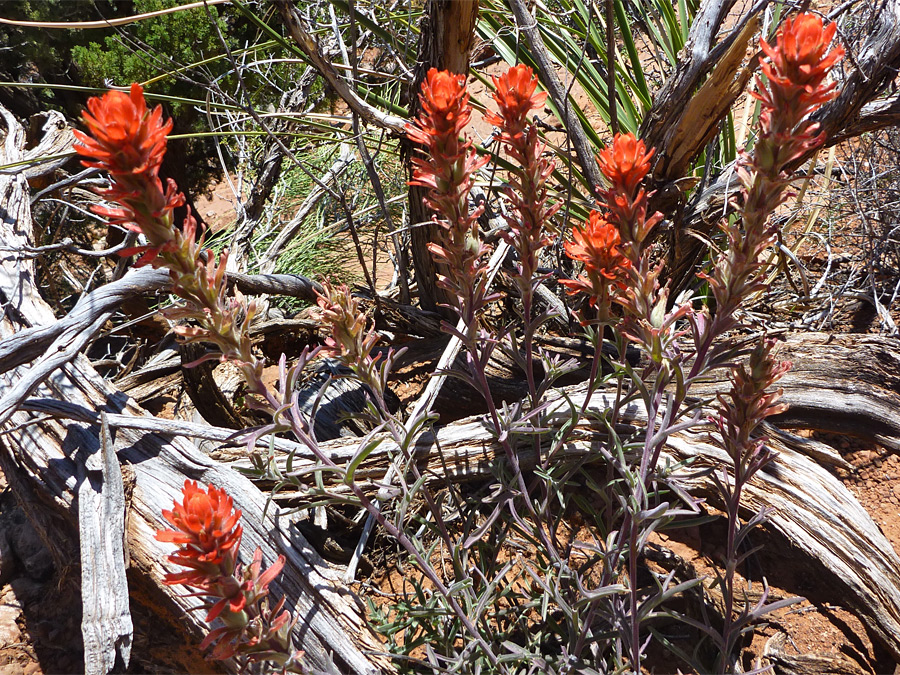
{"points": [[205, 525], [625, 163], [596, 245], [445, 109], [801, 51], [125, 138], [516, 96], [796, 69]]}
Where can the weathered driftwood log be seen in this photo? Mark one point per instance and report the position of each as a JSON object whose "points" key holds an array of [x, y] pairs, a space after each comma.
{"points": [[45, 460], [839, 383], [844, 384], [811, 507], [784, 657]]}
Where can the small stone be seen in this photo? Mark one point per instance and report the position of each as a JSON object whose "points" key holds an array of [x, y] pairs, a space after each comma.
{"points": [[9, 630], [210, 214]]}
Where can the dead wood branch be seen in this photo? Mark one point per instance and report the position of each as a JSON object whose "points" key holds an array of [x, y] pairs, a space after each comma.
{"points": [[684, 113], [812, 508], [46, 461], [310, 48], [876, 66], [50, 140]]}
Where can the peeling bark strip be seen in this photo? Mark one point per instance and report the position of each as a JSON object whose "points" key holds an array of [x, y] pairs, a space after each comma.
{"points": [[106, 618], [47, 462]]}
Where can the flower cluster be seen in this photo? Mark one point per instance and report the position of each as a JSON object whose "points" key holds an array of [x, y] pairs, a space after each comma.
{"points": [[515, 94], [206, 528], [796, 70], [596, 245], [748, 403], [625, 163], [129, 141], [614, 247], [447, 171], [340, 311]]}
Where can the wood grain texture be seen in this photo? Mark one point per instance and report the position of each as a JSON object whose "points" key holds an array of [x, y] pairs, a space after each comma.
{"points": [[49, 460], [839, 382], [106, 625]]}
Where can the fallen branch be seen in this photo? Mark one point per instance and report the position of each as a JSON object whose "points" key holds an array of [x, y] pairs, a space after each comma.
{"points": [[812, 508], [45, 462]]}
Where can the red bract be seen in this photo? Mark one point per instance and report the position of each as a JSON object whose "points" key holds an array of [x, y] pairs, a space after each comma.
{"points": [[796, 70], [625, 163], [206, 526], [596, 245], [515, 96], [125, 137], [445, 112], [800, 57]]}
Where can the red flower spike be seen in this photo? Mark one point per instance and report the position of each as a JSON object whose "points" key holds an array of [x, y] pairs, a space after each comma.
{"points": [[625, 163], [446, 168], [206, 525], [596, 245], [515, 96], [125, 137], [796, 70]]}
